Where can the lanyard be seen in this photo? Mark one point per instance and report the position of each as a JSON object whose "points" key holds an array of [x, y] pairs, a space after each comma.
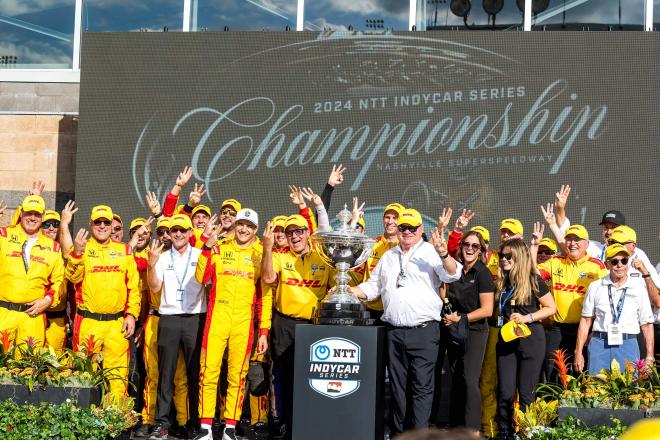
{"points": [[602, 253], [185, 272], [616, 315], [509, 294], [401, 271]]}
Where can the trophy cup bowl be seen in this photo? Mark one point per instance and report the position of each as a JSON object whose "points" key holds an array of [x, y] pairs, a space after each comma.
{"points": [[343, 249]]}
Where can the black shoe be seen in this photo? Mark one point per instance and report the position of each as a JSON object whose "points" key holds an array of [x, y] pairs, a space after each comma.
{"points": [[203, 434], [276, 428], [192, 429], [217, 427], [229, 434], [258, 431], [143, 431], [160, 432], [242, 427]]}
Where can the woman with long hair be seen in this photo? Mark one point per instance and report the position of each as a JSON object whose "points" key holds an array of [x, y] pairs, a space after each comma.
{"points": [[472, 299], [525, 299]]}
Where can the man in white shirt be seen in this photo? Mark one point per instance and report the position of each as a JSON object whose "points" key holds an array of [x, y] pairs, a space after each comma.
{"points": [[618, 306], [407, 278], [182, 315]]}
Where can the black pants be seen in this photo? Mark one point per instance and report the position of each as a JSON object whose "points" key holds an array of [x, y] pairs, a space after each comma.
{"points": [[282, 336], [412, 354], [465, 369], [559, 337], [519, 363], [174, 332]]}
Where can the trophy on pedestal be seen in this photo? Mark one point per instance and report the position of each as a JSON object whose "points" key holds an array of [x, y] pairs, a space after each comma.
{"points": [[344, 249]]}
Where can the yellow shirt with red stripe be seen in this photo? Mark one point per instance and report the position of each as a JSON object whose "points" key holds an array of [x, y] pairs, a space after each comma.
{"points": [[492, 263], [303, 283], [45, 275], [568, 281], [236, 275], [107, 278], [362, 273]]}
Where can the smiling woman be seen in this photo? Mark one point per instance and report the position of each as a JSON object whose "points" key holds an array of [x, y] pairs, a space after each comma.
{"points": [[36, 34]]}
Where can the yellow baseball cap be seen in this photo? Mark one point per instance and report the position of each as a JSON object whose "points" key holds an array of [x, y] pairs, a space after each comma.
{"points": [[181, 221], [50, 215], [361, 223], [33, 204], [278, 221], [202, 208], [410, 217], [233, 203], [396, 207], [578, 230], [101, 211], [512, 224], [296, 220], [137, 222], [615, 249], [164, 222], [623, 234], [483, 232], [511, 330], [117, 217], [549, 243]]}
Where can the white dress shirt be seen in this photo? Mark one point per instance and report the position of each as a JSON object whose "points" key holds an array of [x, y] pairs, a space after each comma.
{"points": [[636, 306], [418, 301], [174, 270]]}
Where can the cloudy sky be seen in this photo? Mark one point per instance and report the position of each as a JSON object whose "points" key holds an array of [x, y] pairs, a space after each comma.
{"points": [[40, 31]]}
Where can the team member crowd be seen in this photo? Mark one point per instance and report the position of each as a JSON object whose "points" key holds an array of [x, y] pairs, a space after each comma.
{"points": [[197, 313]]}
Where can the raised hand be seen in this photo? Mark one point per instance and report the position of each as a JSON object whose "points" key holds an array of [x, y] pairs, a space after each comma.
{"points": [[67, 213], [80, 242], [443, 220], [268, 239], [357, 212], [336, 175], [561, 197], [439, 242], [537, 235], [196, 195], [464, 219], [153, 204], [184, 177], [38, 187], [154, 252], [296, 197], [309, 194], [3, 207], [549, 214], [208, 228], [133, 242]]}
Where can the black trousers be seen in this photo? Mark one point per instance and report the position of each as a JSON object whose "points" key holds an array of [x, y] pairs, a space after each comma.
{"points": [[174, 332], [412, 354], [465, 368], [559, 337], [519, 364], [282, 337]]}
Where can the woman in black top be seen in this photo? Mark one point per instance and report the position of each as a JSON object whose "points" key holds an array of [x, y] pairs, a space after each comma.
{"points": [[472, 298], [522, 292]]}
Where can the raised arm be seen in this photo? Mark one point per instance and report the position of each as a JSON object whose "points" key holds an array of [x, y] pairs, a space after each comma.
{"points": [[64, 234], [268, 274], [153, 278], [550, 221], [336, 178], [561, 198]]}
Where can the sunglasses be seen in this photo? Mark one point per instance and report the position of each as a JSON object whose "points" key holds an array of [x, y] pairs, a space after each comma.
{"points": [[229, 212], [47, 225], [173, 230], [297, 232], [404, 228], [473, 246], [505, 256], [117, 228], [545, 252], [618, 261], [102, 222], [162, 232]]}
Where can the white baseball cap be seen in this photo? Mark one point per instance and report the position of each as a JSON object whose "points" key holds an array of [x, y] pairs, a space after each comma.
{"points": [[249, 215]]}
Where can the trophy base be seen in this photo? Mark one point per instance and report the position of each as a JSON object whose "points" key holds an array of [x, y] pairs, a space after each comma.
{"points": [[335, 313]]}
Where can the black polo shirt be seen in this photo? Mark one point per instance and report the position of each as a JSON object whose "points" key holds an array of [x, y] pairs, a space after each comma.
{"points": [[464, 293]]}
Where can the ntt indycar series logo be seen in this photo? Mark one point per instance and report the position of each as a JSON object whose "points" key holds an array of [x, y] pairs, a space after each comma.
{"points": [[334, 367]]}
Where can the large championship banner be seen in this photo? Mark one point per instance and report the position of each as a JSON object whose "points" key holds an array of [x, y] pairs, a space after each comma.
{"points": [[494, 122]]}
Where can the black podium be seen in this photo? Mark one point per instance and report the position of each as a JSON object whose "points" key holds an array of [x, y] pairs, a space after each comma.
{"points": [[339, 381]]}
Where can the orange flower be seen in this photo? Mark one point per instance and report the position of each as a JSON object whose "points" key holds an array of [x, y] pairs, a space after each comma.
{"points": [[6, 343], [90, 345], [562, 365]]}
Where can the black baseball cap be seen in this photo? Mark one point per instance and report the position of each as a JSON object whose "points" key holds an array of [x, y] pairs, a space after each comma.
{"points": [[613, 216]]}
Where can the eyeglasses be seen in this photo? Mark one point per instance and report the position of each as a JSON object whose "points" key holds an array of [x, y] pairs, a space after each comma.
{"points": [[162, 232], [229, 212], [297, 232], [404, 228], [618, 261], [505, 256], [102, 222], [49, 224], [574, 239], [181, 230], [545, 252], [473, 246]]}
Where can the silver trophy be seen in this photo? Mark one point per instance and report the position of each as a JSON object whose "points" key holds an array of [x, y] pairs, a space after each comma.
{"points": [[344, 249]]}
